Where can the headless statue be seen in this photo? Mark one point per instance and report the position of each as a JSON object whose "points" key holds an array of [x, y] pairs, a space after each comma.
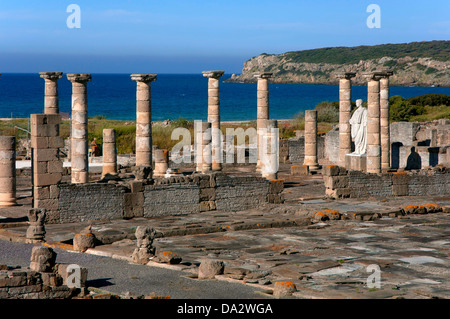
{"points": [[358, 124]]}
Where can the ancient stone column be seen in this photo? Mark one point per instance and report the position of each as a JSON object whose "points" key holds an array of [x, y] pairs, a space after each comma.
{"points": [[109, 152], [311, 140], [7, 171], [269, 146], [262, 109], [143, 118], [214, 116], [79, 140], [345, 108], [145, 236], [51, 101], [373, 160], [161, 162], [36, 229], [203, 152], [384, 121]]}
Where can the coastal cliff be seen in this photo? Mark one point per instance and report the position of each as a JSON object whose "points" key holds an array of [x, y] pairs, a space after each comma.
{"points": [[413, 64]]}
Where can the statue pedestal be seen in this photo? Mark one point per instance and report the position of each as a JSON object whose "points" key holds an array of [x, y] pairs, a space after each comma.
{"points": [[355, 162]]}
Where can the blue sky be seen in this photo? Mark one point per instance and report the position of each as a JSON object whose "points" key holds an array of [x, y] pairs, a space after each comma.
{"points": [[188, 36]]}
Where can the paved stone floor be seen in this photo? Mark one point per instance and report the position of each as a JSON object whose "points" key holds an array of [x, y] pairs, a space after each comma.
{"points": [[373, 238]]}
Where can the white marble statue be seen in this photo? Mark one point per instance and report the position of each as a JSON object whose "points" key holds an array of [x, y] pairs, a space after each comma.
{"points": [[358, 123]]}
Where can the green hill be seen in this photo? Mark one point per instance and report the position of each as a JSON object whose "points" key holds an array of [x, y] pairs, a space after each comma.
{"points": [[436, 50]]}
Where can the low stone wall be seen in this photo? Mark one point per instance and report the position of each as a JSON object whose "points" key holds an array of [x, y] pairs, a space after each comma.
{"points": [[84, 202], [177, 195], [296, 149], [341, 183], [30, 284]]}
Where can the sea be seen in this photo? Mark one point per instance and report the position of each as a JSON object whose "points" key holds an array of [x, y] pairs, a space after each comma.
{"points": [[175, 96]]}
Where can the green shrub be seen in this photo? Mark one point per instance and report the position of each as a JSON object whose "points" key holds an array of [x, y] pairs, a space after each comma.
{"points": [[328, 112], [430, 100], [402, 110]]}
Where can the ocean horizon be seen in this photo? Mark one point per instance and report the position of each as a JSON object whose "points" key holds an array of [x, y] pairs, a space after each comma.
{"points": [[176, 96]]}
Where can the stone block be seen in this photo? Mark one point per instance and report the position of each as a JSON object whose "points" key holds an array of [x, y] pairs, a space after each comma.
{"points": [[55, 142], [51, 279], [45, 155], [275, 198], [338, 192], [400, 190], [400, 178], [284, 289], [39, 142], [331, 170], [276, 186], [41, 193], [54, 191], [299, 170], [136, 186], [356, 162], [209, 268], [133, 205], [206, 206], [207, 194], [47, 179], [335, 182], [54, 167], [48, 204]]}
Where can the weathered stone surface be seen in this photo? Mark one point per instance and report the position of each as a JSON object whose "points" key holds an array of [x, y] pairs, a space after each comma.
{"points": [[209, 268], [42, 259], [36, 230], [84, 240], [284, 289], [167, 257], [142, 172], [145, 236]]}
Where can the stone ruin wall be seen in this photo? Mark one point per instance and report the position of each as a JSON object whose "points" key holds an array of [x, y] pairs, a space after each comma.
{"points": [[341, 183], [162, 197], [431, 141]]}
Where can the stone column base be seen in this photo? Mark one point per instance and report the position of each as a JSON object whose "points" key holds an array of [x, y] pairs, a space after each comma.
{"points": [[355, 162]]}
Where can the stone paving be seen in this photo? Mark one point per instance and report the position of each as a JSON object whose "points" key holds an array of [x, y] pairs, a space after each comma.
{"points": [[326, 255]]}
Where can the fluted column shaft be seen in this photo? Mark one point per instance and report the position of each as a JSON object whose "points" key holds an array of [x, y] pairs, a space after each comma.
{"points": [[203, 147], [262, 110], [373, 126], [79, 136], [270, 150], [109, 152], [143, 118], [7, 171], [311, 140], [384, 123], [214, 117], [345, 108]]}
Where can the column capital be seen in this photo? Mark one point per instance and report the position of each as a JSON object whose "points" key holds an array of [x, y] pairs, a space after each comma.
{"points": [[385, 74], [51, 75], [143, 77], [263, 75], [345, 75], [77, 77], [377, 75], [213, 74]]}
